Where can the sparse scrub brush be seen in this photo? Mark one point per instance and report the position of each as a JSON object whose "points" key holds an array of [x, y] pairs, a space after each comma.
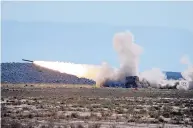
{"points": [[113, 126], [80, 126], [94, 126], [74, 115], [72, 126]]}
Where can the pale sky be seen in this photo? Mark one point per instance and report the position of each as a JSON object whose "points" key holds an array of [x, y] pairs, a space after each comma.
{"points": [[82, 32]]}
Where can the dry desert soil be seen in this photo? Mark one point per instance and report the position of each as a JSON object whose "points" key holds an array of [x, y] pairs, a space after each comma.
{"points": [[75, 106]]}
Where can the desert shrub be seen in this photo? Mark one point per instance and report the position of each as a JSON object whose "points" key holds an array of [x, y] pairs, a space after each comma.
{"points": [[139, 107], [62, 102], [137, 116], [16, 102], [176, 113], [81, 105], [4, 115], [167, 108], [26, 108], [41, 106], [176, 120], [96, 106], [79, 109], [80, 126], [156, 107], [120, 111], [86, 117], [160, 119], [92, 109], [154, 114], [94, 125], [142, 111], [49, 125], [131, 120], [31, 125], [106, 114], [162, 126], [72, 126], [30, 116], [129, 109], [44, 126], [75, 105], [166, 114], [63, 108], [92, 115], [112, 126], [63, 126], [107, 105], [15, 124], [74, 115], [152, 109]]}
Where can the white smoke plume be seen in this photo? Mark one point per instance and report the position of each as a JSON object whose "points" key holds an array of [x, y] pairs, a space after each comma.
{"points": [[79, 70], [188, 73], [106, 72], [185, 60], [155, 77], [128, 54]]}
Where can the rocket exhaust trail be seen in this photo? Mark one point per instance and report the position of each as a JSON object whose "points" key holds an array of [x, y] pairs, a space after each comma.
{"points": [[129, 54], [28, 60]]}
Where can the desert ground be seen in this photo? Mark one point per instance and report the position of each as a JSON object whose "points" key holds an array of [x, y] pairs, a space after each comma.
{"points": [[75, 106]]}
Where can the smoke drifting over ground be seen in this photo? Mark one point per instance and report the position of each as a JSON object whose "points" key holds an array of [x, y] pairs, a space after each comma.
{"points": [[154, 76], [129, 55], [188, 73]]}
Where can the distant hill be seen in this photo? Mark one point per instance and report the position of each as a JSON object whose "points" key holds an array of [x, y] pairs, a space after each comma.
{"points": [[173, 75], [29, 73]]}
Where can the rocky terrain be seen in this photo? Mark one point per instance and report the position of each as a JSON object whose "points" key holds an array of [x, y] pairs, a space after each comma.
{"points": [[89, 107], [36, 97], [29, 73]]}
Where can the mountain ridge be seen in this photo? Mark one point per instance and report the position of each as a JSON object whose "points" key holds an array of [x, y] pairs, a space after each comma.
{"points": [[17, 72], [29, 73]]}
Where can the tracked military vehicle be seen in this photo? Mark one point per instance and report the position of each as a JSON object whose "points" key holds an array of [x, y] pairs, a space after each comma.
{"points": [[132, 82], [129, 82]]}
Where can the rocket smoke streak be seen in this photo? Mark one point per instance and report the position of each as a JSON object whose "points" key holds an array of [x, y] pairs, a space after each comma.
{"points": [[128, 55], [79, 70]]}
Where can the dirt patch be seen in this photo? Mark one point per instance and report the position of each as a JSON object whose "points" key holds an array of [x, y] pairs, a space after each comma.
{"points": [[95, 107]]}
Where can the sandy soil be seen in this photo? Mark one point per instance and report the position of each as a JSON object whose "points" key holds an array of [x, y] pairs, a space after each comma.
{"points": [[43, 105]]}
